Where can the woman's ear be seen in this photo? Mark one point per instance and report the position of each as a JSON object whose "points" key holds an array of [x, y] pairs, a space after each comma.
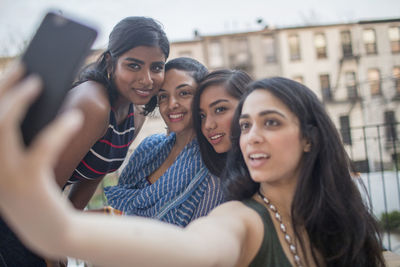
{"points": [[311, 139], [109, 65], [307, 146]]}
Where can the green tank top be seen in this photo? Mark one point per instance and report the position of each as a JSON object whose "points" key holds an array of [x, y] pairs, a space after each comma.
{"points": [[271, 252]]}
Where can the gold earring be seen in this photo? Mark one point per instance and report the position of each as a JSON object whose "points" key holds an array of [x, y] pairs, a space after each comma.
{"points": [[108, 76], [307, 148]]}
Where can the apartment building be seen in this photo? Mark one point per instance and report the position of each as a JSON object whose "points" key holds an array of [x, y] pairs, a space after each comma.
{"points": [[354, 68]]}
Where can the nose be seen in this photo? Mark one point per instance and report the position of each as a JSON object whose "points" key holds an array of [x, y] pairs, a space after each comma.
{"points": [[145, 79], [209, 123], [254, 136], [173, 102]]}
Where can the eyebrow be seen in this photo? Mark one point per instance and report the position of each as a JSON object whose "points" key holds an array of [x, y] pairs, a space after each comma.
{"points": [[141, 62], [134, 60], [217, 102], [179, 87], [263, 113], [184, 85]]}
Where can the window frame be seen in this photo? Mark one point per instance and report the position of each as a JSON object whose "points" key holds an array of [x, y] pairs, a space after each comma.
{"points": [[294, 48], [321, 51], [370, 46], [375, 85], [347, 47]]}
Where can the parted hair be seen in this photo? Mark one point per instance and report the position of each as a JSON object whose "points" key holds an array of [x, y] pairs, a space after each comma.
{"points": [[234, 82], [129, 33], [190, 65]]}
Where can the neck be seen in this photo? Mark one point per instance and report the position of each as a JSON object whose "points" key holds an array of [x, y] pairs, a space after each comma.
{"points": [[183, 138], [120, 103], [281, 196]]}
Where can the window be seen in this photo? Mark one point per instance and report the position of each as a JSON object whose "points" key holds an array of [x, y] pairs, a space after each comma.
{"points": [[325, 87], [294, 47], [396, 78], [347, 49], [299, 79], [374, 81], [239, 53], [320, 45], [351, 85], [390, 128], [394, 37], [215, 55], [369, 38], [268, 44], [345, 129]]}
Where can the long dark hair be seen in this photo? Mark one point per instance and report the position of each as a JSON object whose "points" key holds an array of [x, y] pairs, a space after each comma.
{"points": [[127, 34], [327, 202], [234, 82]]}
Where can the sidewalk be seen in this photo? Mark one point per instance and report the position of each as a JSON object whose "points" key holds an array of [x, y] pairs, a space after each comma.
{"points": [[392, 259]]}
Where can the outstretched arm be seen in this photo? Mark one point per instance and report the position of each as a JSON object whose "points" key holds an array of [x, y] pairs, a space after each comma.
{"points": [[32, 204]]}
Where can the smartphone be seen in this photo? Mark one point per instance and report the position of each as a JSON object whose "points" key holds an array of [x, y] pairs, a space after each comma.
{"points": [[56, 52]]}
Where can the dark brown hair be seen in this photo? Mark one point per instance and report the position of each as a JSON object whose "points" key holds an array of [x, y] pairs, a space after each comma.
{"points": [[234, 82], [327, 201]]}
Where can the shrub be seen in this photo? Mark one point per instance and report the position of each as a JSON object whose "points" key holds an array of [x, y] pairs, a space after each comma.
{"points": [[390, 221]]}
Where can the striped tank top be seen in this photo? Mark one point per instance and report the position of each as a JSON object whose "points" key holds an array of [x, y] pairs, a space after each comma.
{"points": [[108, 153]]}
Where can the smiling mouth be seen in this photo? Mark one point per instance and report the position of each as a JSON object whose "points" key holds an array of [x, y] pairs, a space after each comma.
{"points": [[143, 92], [259, 156], [216, 138], [175, 117]]}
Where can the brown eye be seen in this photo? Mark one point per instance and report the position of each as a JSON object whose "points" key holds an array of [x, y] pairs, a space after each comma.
{"points": [[220, 109], [244, 126], [157, 68], [161, 97], [134, 66], [184, 93], [271, 122]]}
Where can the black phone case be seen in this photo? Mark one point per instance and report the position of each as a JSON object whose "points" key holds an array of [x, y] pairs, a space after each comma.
{"points": [[55, 53]]}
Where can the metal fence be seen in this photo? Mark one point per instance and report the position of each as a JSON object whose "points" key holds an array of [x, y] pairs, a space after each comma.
{"points": [[375, 152]]}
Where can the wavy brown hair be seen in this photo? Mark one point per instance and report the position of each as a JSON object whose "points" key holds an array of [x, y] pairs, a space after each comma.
{"points": [[234, 82]]}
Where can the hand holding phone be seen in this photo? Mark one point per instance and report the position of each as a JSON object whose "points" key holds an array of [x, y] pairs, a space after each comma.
{"points": [[55, 53]]}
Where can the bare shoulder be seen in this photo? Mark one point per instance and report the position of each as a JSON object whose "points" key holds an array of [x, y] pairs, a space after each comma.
{"points": [[237, 209], [252, 229], [91, 98], [233, 215]]}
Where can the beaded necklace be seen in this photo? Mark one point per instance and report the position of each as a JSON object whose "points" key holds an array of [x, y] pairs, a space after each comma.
{"points": [[292, 247]]}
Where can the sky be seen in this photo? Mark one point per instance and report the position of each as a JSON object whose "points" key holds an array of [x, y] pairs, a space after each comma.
{"points": [[20, 18]]}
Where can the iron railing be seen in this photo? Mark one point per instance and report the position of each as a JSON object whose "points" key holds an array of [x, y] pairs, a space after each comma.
{"points": [[375, 152]]}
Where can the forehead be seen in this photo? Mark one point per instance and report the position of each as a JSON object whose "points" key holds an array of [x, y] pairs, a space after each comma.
{"points": [[174, 78], [261, 100], [214, 93], [145, 53]]}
